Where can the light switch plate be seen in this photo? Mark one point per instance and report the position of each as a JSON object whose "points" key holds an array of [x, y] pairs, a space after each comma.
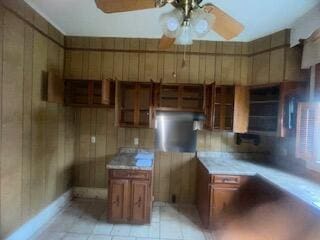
{"points": [[93, 139], [136, 141]]}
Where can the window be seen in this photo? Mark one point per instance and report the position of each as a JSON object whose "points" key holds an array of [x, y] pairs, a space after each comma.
{"points": [[308, 134]]}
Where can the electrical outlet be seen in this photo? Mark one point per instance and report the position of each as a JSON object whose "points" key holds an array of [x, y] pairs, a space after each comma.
{"points": [[136, 141], [93, 139]]}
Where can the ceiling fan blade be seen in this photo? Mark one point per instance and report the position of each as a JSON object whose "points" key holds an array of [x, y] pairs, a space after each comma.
{"points": [[166, 42], [113, 6], [224, 25]]}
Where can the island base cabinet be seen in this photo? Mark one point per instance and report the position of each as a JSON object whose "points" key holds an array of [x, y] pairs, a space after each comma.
{"points": [[217, 196], [223, 200], [119, 200], [129, 196], [140, 201]]}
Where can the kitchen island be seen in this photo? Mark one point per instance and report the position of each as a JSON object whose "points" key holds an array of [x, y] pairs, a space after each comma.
{"points": [[130, 186]]}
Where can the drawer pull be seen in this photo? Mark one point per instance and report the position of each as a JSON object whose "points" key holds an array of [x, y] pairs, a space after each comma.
{"points": [[227, 180]]}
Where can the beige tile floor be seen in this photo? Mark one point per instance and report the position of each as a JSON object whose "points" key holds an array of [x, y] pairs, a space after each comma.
{"points": [[85, 219]]}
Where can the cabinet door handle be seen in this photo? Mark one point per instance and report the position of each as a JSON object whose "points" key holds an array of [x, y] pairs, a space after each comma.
{"points": [[117, 201], [139, 202]]}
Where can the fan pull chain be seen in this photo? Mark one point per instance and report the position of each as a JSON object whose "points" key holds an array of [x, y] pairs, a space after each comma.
{"points": [[184, 56]]}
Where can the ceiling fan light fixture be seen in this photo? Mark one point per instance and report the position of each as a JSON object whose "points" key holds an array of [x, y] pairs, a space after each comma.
{"points": [[201, 22], [185, 35], [171, 23]]}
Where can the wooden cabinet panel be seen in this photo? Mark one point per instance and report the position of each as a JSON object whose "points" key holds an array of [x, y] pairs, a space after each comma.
{"points": [[108, 92], [217, 195], [89, 93], [224, 108], [223, 203], [129, 196], [134, 174], [119, 200], [55, 88], [264, 109], [182, 97], [227, 179], [241, 109], [140, 201], [134, 105], [209, 106]]}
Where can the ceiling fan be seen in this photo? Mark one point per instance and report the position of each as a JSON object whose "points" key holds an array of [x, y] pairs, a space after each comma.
{"points": [[188, 17]]}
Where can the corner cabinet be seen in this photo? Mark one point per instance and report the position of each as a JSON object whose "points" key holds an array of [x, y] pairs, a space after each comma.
{"points": [[273, 108], [129, 196], [217, 196]]}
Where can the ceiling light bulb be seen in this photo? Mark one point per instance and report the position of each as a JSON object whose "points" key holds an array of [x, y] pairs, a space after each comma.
{"points": [[201, 22], [185, 34], [171, 23], [201, 26]]}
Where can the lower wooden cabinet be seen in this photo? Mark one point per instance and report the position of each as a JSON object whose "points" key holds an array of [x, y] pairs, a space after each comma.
{"points": [[217, 196], [129, 196], [119, 199], [222, 201]]}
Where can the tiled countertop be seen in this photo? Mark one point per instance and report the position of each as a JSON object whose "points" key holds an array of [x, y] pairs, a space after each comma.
{"points": [[125, 159], [302, 188]]}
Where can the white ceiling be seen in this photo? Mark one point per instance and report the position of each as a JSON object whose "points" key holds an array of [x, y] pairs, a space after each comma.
{"points": [[82, 18]]}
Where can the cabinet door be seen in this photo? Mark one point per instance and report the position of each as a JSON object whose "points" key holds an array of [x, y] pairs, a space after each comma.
{"points": [[140, 201], [143, 104], [55, 88], [222, 201], [108, 92], [241, 109], [118, 200], [209, 106]]}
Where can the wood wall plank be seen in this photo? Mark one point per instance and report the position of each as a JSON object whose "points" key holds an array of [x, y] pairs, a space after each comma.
{"points": [[1, 76], [29, 130], [12, 109], [27, 121]]}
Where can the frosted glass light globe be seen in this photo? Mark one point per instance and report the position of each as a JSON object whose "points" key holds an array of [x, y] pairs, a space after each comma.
{"points": [[172, 24]]}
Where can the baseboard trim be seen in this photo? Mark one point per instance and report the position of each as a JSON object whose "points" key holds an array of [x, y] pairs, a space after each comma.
{"points": [[85, 192], [43, 217]]}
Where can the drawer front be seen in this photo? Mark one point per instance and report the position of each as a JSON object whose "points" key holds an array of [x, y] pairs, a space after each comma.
{"points": [[130, 174], [227, 179]]}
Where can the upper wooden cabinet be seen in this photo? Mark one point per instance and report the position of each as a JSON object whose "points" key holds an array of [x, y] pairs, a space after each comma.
{"points": [[55, 88], [89, 93], [226, 108], [273, 108], [179, 97], [210, 93], [134, 104]]}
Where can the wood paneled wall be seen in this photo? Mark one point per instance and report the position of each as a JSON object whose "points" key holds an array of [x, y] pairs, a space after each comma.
{"points": [[139, 60], [271, 60], [37, 138]]}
